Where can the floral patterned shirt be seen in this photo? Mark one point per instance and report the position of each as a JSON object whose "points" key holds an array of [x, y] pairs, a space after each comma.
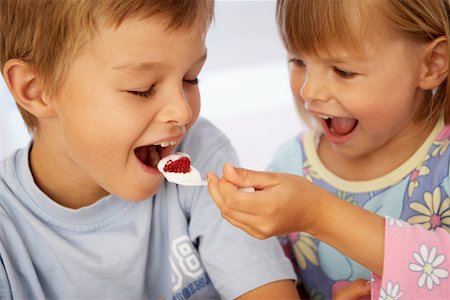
{"points": [[416, 263], [416, 192]]}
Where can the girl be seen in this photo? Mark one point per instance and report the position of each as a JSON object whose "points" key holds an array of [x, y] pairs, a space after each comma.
{"points": [[370, 78]]}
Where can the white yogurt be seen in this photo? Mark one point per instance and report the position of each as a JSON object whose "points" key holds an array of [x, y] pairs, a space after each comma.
{"points": [[191, 178]]}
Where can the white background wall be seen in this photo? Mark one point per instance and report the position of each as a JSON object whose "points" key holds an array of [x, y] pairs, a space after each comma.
{"points": [[244, 85]]}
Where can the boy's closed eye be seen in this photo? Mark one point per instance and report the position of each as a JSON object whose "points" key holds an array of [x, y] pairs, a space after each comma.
{"points": [[194, 81], [144, 94], [148, 93]]}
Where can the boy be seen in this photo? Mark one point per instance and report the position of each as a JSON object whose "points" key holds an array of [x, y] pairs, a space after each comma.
{"points": [[107, 88]]}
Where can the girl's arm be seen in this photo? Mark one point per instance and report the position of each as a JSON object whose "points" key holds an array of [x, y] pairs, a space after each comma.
{"points": [[414, 262], [286, 203]]}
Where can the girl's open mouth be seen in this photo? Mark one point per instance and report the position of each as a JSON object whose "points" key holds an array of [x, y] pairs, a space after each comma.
{"points": [[338, 129], [339, 126]]}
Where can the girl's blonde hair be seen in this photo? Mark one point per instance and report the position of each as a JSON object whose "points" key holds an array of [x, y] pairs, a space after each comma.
{"points": [[48, 34], [310, 26]]}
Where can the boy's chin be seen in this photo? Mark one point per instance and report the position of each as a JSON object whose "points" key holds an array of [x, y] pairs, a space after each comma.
{"points": [[138, 197]]}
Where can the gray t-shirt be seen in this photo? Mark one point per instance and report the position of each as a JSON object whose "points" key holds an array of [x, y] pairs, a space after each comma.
{"points": [[175, 245]]}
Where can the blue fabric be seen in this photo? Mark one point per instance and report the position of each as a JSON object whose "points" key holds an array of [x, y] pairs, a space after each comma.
{"points": [[175, 245]]}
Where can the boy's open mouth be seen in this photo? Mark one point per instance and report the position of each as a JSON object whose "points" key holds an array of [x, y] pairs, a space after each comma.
{"points": [[150, 155]]}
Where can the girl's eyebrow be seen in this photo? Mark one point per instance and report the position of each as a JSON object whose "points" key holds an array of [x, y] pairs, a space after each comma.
{"points": [[145, 66]]}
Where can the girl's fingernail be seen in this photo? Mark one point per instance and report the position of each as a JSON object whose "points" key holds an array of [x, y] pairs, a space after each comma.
{"points": [[233, 168]]}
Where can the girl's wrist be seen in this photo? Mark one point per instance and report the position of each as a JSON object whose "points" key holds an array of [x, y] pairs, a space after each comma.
{"points": [[318, 221]]}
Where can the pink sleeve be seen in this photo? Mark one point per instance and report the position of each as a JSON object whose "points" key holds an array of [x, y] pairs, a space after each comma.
{"points": [[416, 263]]}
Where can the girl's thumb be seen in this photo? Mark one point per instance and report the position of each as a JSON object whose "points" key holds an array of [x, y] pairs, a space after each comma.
{"points": [[244, 177]]}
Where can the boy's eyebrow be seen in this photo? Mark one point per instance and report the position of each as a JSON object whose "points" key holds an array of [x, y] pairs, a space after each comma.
{"points": [[143, 66], [138, 66]]}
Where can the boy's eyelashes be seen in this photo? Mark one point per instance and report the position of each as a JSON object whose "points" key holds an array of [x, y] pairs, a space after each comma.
{"points": [[144, 94], [150, 91], [192, 81]]}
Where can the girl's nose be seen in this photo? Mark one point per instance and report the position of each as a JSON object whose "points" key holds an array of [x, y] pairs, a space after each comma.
{"points": [[314, 88]]}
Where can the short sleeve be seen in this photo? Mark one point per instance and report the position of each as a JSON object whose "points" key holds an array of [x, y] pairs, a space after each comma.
{"points": [[288, 158], [416, 263]]}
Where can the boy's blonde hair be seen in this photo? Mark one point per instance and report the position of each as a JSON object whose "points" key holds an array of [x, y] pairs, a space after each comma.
{"points": [[48, 34], [310, 26]]}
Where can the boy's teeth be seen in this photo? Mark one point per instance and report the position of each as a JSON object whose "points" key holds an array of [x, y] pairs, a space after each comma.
{"points": [[167, 144]]}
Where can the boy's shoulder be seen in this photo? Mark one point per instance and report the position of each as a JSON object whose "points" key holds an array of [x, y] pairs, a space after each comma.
{"points": [[208, 147], [9, 166], [205, 132], [204, 139]]}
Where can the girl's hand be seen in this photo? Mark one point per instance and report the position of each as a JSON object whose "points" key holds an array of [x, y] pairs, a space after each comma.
{"points": [[355, 290], [282, 203]]}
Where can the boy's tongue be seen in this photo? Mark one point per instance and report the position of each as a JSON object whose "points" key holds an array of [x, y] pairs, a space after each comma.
{"points": [[341, 126]]}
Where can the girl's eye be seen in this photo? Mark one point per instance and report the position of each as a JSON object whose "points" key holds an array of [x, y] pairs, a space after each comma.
{"points": [[297, 62], [192, 82], [344, 74], [145, 94]]}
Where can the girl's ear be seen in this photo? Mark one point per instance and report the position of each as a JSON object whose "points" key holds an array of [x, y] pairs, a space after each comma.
{"points": [[435, 64], [26, 88]]}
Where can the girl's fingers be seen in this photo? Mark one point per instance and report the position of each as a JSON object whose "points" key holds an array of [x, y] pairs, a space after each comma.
{"points": [[213, 189], [245, 222], [357, 289], [232, 197], [247, 178]]}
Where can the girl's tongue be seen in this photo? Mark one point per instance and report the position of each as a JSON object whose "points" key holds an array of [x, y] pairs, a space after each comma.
{"points": [[341, 126]]}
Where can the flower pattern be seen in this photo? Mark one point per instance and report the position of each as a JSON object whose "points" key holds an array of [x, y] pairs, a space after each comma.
{"points": [[315, 295], [435, 213], [347, 197], [441, 147], [392, 292], [421, 170], [309, 172], [305, 249], [394, 222], [427, 264]]}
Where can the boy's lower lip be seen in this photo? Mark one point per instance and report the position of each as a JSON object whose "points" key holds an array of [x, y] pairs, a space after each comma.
{"points": [[154, 171], [148, 169], [335, 139]]}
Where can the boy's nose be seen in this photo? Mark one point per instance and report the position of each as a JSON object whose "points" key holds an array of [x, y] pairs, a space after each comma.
{"points": [[177, 110]]}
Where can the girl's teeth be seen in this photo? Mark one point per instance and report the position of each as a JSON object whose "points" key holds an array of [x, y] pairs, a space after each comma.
{"points": [[325, 117]]}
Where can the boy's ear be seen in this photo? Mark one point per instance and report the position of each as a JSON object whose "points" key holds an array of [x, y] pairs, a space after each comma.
{"points": [[435, 64], [26, 88]]}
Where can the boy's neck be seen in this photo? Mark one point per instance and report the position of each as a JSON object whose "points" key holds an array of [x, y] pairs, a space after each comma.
{"points": [[60, 186]]}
